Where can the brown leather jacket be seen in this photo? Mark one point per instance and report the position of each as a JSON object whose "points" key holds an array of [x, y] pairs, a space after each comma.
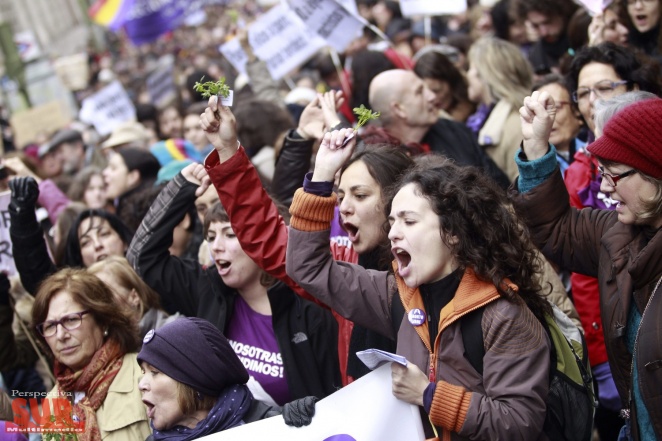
{"points": [[626, 259]]}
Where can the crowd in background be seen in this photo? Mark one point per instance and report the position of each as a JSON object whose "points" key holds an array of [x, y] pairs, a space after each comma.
{"points": [[174, 266]]}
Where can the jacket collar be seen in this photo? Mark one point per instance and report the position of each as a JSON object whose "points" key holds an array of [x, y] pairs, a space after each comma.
{"points": [[492, 130], [470, 295]]}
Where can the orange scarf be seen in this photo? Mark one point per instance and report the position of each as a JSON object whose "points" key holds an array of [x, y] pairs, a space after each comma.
{"points": [[94, 380]]}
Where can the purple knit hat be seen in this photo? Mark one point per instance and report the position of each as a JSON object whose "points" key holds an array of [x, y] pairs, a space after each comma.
{"points": [[194, 352], [634, 137]]}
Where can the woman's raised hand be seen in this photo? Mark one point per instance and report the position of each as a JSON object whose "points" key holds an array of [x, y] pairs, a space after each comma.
{"points": [[220, 126], [332, 155], [330, 102], [537, 118], [196, 174]]}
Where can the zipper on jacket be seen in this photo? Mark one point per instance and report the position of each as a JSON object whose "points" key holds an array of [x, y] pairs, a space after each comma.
{"points": [[628, 411]]}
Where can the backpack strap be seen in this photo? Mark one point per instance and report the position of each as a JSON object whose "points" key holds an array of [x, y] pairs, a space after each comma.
{"points": [[397, 314], [472, 338]]}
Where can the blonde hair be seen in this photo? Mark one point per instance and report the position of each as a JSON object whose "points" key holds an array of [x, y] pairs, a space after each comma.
{"points": [[124, 274], [503, 68]]}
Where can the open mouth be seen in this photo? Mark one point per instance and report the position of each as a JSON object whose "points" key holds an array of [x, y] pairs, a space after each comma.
{"points": [[150, 408], [403, 259], [101, 257], [223, 266], [352, 231]]}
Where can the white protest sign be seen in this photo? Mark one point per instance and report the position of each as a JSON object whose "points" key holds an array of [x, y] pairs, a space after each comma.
{"points": [[161, 82], [330, 20], [594, 7], [6, 254], [235, 54], [350, 5], [283, 41], [366, 410], [108, 108], [432, 7]]}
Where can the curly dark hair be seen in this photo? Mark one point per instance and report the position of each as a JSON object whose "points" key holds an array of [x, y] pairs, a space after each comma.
{"points": [[491, 240]]}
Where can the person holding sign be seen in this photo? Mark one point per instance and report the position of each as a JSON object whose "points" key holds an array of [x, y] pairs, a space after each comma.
{"points": [[457, 248]]}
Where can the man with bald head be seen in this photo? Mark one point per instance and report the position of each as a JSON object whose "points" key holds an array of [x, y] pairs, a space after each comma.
{"points": [[409, 114]]}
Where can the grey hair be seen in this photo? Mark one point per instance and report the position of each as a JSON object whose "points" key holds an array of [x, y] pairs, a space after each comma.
{"points": [[606, 109]]}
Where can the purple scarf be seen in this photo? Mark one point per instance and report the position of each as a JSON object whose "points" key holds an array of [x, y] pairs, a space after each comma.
{"points": [[228, 412]]}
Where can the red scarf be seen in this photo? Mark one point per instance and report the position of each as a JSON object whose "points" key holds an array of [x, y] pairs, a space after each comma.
{"points": [[94, 380]]}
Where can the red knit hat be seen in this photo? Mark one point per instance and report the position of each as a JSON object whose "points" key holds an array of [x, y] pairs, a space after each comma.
{"points": [[634, 137]]}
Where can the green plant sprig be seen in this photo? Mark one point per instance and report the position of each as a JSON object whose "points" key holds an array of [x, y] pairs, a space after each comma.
{"points": [[364, 115], [209, 88]]}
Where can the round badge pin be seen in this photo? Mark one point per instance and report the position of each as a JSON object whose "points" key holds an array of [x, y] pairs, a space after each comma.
{"points": [[149, 336], [416, 317]]}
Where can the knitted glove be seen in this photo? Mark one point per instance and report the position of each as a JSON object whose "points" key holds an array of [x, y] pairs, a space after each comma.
{"points": [[299, 412]]}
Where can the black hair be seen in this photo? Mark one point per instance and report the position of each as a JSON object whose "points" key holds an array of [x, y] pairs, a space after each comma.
{"points": [[72, 254]]}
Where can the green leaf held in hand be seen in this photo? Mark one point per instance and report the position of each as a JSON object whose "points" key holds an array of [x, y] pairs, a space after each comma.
{"points": [[364, 115], [209, 88]]}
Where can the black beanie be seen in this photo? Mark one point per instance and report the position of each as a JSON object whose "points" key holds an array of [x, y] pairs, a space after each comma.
{"points": [[194, 352]]}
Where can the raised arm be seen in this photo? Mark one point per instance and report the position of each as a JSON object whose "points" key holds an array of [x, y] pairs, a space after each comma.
{"points": [[360, 295], [261, 231], [174, 279]]}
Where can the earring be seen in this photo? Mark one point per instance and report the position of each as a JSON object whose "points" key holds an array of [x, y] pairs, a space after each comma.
{"points": [[198, 395], [105, 333]]}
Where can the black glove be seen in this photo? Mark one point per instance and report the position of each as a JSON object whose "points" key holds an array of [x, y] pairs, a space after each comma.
{"points": [[4, 290], [24, 193], [299, 412]]}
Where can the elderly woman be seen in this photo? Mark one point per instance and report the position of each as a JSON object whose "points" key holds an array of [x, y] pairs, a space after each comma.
{"points": [[620, 247], [132, 292], [93, 345], [195, 385]]}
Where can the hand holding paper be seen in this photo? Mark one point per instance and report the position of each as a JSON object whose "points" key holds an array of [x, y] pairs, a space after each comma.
{"points": [[409, 383]]}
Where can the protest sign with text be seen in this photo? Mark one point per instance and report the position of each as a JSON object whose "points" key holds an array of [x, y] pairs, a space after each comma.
{"points": [[330, 20], [366, 410], [432, 7], [6, 255], [283, 41], [108, 108]]}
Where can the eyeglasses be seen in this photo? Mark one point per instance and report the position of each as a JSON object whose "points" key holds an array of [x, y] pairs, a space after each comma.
{"points": [[612, 180], [602, 89], [561, 104], [68, 322]]}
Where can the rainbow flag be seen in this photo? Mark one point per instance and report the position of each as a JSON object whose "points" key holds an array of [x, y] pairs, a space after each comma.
{"points": [[110, 13], [143, 21]]}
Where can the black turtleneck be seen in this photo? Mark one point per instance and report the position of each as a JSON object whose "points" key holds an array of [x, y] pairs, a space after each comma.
{"points": [[436, 295]]}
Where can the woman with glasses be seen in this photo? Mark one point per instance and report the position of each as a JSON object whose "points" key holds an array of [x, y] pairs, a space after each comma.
{"points": [[620, 247], [93, 344], [643, 20], [599, 72]]}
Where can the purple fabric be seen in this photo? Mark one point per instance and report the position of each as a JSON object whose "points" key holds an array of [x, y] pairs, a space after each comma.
{"points": [[607, 392], [591, 196], [338, 234], [228, 412], [253, 339], [323, 189], [428, 395], [52, 199], [144, 23], [13, 436], [476, 121]]}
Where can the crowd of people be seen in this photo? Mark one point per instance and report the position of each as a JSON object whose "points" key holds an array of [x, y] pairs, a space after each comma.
{"points": [[203, 267]]}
